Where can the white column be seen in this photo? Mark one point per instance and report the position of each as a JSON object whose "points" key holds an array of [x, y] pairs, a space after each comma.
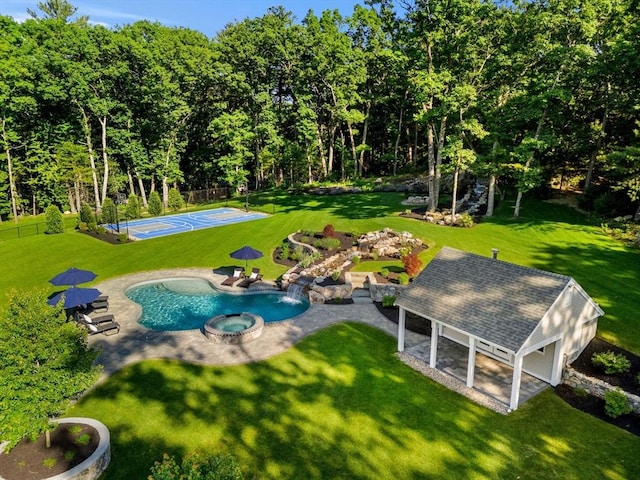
{"points": [[401, 323], [471, 362], [515, 385], [556, 369], [433, 354]]}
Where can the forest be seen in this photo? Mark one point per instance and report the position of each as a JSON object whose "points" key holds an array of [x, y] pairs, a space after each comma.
{"points": [[523, 94]]}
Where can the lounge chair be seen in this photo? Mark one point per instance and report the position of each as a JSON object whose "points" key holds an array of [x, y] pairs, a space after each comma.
{"points": [[103, 324], [231, 280], [254, 277], [108, 328], [100, 303], [86, 319]]}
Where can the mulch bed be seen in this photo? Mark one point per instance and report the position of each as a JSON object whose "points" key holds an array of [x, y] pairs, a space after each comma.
{"points": [[412, 322], [34, 461], [593, 405], [626, 381], [108, 237]]}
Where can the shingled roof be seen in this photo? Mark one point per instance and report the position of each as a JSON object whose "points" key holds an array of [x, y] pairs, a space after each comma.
{"points": [[496, 301]]}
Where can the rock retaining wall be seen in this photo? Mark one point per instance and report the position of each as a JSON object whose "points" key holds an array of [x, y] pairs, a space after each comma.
{"points": [[378, 291], [596, 387]]}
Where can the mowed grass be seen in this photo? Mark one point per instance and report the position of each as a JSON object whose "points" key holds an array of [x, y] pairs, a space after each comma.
{"points": [[546, 236], [340, 404]]}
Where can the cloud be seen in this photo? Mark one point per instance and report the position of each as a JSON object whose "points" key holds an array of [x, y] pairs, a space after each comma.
{"points": [[108, 13]]}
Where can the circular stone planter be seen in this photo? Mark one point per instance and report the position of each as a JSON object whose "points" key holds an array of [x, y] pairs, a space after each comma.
{"points": [[98, 462], [234, 328]]}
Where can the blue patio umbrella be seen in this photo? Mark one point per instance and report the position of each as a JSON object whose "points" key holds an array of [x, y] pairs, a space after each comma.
{"points": [[246, 253], [75, 296], [73, 276]]}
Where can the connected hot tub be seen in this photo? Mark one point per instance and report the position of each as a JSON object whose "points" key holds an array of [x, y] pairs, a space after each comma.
{"points": [[234, 328]]}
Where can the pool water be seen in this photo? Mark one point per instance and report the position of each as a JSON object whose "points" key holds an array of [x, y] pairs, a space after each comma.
{"points": [[187, 303]]}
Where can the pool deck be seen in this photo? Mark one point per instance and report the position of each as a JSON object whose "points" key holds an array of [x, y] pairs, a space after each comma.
{"points": [[135, 343]]}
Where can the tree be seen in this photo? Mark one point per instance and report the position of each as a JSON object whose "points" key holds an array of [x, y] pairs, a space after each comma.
{"points": [[54, 220], [176, 202], [41, 373], [133, 206], [155, 203]]}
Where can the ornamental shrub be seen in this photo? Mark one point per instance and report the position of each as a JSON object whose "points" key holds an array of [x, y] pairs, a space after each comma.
{"points": [[611, 363], [465, 220], [384, 272], [86, 214], [355, 259], [412, 264], [284, 251], [335, 275], [197, 466], [154, 204], [403, 278], [388, 300], [55, 222], [616, 403], [175, 201], [109, 212], [329, 244], [133, 206], [329, 231]]}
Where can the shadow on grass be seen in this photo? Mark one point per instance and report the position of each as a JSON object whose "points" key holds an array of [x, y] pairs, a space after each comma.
{"points": [[339, 405], [348, 206]]}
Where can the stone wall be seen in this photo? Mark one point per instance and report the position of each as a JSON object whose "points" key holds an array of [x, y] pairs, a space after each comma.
{"points": [[378, 291], [595, 386], [320, 294]]}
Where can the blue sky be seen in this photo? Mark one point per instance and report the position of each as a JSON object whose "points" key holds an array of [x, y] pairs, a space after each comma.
{"points": [[206, 16]]}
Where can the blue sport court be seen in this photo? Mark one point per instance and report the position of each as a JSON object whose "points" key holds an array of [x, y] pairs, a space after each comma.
{"points": [[143, 229]]}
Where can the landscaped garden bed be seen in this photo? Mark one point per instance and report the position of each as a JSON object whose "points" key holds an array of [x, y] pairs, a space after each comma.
{"points": [[71, 444], [593, 405]]}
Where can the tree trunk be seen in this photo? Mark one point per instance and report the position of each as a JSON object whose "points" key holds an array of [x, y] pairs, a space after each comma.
{"points": [[456, 172], [105, 156], [12, 184], [76, 188], [92, 162], [431, 159], [321, 150], [165, 178], [130, 180], [332, 139], [143, 193], [343, 170], [438, 167], [396, 147], [365, 130], [491, 195], [354, 155]]}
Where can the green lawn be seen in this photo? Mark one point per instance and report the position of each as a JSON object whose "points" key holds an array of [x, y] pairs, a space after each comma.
{"points": [[341, 405], [547, 236]]}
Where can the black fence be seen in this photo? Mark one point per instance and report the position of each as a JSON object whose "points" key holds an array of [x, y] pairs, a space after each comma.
{"points": [[23, 231]]}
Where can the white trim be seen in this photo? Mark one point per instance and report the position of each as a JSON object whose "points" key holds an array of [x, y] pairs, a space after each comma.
{"points": [[471, 362], [433, 352], [515, 384], [401, 328]]}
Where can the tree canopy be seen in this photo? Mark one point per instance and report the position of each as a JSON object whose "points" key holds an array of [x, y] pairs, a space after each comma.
{"points": [[526, 93]]}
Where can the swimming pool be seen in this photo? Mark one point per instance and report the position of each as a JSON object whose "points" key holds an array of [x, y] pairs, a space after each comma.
{"points": [[187, 303]]}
